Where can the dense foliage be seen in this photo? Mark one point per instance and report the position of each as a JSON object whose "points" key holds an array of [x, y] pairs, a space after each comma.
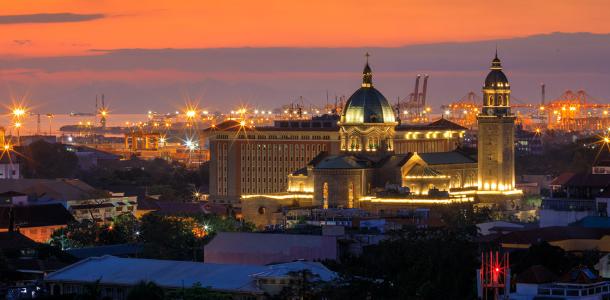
{"points": [[172, 181], [577, 156], [48, 160], [178, 237], [413, 264]]}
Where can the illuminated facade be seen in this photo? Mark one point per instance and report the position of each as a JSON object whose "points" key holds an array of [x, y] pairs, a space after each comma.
{"points": [[367, 161], [496, 135], [367, 121], [247, 160]]}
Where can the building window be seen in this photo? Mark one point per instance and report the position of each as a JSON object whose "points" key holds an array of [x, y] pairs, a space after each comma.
{"points": [[325, 195]]}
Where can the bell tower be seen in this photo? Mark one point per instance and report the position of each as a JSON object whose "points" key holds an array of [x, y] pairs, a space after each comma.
{"points": [[496, 135]]}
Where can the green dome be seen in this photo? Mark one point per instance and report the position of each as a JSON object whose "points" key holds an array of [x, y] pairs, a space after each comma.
{"points": [[367, 104]]}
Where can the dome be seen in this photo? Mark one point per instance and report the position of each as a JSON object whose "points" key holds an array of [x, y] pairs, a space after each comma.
{"points": [[367, 104], [496, 75]]}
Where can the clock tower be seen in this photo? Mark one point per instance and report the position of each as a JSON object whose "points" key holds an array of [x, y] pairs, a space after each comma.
{"points": [[496, 135]]}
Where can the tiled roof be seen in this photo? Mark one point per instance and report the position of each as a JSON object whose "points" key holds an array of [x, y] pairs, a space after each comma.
{"points": [[59, 189], [536, 274], [15, 240], [562, 178], [555, 233], [589, 180], [443, 158], [36, 215], [344, 162], [440, 124]]}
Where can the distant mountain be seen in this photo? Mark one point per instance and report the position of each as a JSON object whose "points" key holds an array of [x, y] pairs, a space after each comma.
{"points": [[135, 80]]}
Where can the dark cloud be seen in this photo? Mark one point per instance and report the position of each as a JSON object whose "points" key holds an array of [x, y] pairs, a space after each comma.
{"points": [[22, 42], [560, 60], [49, 18]]}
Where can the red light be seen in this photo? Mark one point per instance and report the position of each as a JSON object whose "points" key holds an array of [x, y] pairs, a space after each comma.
{"points": [[497, 269]]}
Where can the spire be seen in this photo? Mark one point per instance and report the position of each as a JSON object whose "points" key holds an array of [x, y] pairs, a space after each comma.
{"points": [[495, 63], [367, 74]]}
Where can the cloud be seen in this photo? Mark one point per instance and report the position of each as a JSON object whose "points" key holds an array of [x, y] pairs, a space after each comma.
{"points": [[49, 18], [225, 77], [22, 42]]}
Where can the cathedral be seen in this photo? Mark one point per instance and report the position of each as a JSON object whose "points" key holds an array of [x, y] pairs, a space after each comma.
{"points": [[368, 160]]}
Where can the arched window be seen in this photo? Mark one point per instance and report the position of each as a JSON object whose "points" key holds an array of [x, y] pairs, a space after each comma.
{"points": [[325, 195], [491, 100], [500, 103], [354, 143]]}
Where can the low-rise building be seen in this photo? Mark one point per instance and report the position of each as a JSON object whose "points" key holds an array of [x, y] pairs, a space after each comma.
{"points": [[79, 198], [9, 166], [116, 276], [266, 248], [569, 238], [580, 283], [575, 196], [37, 222]]}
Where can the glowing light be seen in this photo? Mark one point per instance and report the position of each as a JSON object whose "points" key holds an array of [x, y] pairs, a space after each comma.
{"points": [[191, 114], [19, 112], [104, 113], [17, 124], [279, 197], [242, 123]]}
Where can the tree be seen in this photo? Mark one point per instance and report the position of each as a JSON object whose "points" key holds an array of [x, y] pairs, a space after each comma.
{"points": [[414, 264], [46, 160], [75, 235], [197, 292], [304, 286], [87, 233], [554, 258], [168, 237], [146, 291]]}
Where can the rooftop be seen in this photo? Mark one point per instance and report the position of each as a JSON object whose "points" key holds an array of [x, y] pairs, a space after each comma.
{"points": [[265, 248], [444, 158], [110, 270], [59, 189], [35, 215], [15, 240], [552, 234]]}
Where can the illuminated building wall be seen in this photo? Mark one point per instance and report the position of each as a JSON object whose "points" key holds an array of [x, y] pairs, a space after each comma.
{"points": [[496, 123], [249, 161]]}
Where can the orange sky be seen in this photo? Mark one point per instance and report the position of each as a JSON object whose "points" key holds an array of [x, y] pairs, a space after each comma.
{"points": [[327, 23]]}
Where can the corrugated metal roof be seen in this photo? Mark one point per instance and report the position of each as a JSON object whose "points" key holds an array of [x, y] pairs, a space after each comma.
{"points": [[110, 270]]}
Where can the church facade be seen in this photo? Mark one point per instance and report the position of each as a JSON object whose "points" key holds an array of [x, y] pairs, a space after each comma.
{"points": [[366, 159]]}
